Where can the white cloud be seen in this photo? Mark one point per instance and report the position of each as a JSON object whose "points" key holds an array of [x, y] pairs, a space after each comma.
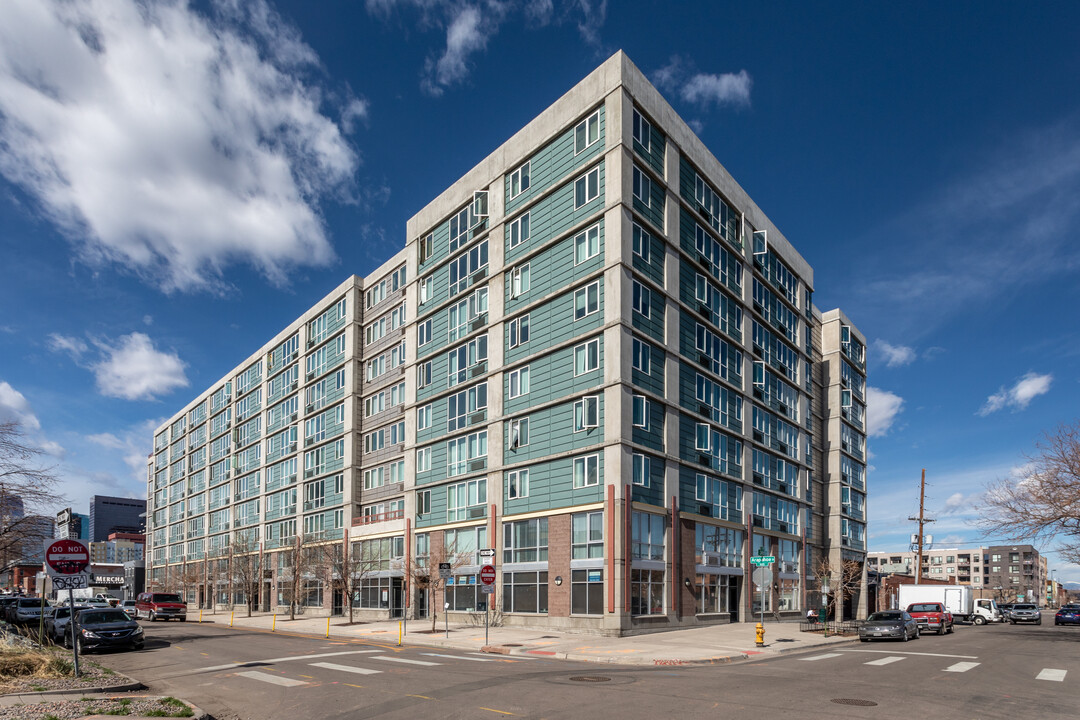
{"points": [[593, 16], [1019, 396], [170, 142], [725, 89], [882, 407], [64, 343], [15, 407], [895, 355], [465, 35], [134, 370]]}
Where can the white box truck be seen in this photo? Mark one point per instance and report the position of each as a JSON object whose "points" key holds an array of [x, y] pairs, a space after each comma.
{"points": [[957, 599]]}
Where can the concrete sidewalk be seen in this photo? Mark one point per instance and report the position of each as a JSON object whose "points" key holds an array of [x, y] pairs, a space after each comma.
{"points": [[696, 646]]}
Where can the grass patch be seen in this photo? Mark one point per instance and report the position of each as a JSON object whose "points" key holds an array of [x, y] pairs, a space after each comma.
{"points": [[173, 708], [50, 716], [38, 688], [118, 711]]}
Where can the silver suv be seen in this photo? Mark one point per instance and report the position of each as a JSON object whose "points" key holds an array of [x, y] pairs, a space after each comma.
{"points": [[1025, 613]]}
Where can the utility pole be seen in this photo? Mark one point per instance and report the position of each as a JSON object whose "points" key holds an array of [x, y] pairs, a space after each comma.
{"points": [[922, 520]]}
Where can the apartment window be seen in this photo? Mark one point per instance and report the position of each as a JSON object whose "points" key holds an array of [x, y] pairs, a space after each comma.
{"points": [[466, 360], [517, 484], [423, 374], [463, 497], [465, 266], [587, 188], [519, 382], [425, 286], [461, 404], [423, 459], [426, 246], [586, 413], [586, 471], [459, 228], [587, 535], [519, 432], [423, 505], [519, 180], [642, 466], [374, 478], [642, 355], [519, 331], [465, 316], [423, 333], [423, 417], [587, 132], [641, 412], [587, 300], [642, 299], [642, 241], [519, 230], [642, 186], [587, 357], [519, 280], [586, 244], [466, 453], [642, 130]]}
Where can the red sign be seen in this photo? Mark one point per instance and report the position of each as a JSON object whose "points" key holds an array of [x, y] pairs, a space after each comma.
{"points": [[67, 557], [487, 574]]}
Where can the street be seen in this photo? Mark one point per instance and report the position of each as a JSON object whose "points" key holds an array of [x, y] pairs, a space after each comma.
{"points": [[997, 671]]}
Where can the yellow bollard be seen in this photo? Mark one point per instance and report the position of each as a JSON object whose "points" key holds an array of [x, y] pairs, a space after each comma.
{"points": [[231, 617], [200, 615], [327, 628], [399, 634], [759, 632], [273, 625]]}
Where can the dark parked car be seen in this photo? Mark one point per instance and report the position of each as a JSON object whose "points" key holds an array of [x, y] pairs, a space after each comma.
{"points": [[895, 624], [6, 603], [57, 622], [112, 628], [1068, 615], [1024, 612]]}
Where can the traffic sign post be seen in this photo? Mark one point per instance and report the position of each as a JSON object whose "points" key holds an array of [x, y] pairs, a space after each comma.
{"points": [[68, 563], [487, 577], [444, 571]]}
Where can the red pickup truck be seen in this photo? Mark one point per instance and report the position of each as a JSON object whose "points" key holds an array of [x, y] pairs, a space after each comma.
{"points": [[931, 616]]}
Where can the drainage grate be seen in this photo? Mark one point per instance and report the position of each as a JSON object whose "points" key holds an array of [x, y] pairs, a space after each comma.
{"points": [[854, 701], [594, 678], [511, 645]]}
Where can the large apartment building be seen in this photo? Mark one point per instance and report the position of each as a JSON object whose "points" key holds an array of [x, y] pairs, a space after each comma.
{"points": [[595, 355], [1009, 573]]}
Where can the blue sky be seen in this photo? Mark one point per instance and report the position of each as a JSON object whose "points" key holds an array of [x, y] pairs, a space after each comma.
{"points": [[178, 182]]}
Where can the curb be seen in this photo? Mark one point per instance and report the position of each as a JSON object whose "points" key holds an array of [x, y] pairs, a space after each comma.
{"points": [[130, 686]]}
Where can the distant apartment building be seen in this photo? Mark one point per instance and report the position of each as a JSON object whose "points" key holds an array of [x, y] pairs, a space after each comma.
{"points": [[118, 549], [115, 515], [595, 356], [1010, 573]]}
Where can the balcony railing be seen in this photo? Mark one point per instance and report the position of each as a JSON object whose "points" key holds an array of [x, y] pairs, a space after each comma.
{"points": [[378, 517]]}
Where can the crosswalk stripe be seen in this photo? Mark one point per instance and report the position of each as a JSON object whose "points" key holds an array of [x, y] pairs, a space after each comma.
{"points": [[961, 667], [885, 660], [407, 661], [509, 658], [1051, 674], [459, 657], [346, 668], [820, 657], [272, 679], [229, 666]]}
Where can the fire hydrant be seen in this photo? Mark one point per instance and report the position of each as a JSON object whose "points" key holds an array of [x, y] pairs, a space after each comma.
{"points": [[759, 633]]}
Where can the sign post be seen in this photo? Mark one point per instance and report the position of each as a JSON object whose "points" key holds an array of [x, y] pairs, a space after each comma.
{"points": [[67, 562], [762, 576], [487, 577]]}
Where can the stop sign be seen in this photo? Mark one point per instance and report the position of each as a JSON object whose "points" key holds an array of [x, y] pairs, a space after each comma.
{"points": [[67, 557], [487, 574]]}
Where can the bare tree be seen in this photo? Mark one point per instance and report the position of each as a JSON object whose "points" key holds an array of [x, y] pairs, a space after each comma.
{"points": [[301, 561], [424, 572], [27, 492], [246, 568], [188, 578], [344, 567], [1043, 501], [844, 579]]}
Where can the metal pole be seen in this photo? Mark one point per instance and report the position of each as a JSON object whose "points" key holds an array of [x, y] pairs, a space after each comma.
{"points": [[485, 623], [74, 629]]}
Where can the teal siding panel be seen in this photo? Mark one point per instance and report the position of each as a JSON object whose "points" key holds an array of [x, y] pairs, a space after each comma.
{"points": [[653, 212], [437, 514], [653, 493], [437, 473], [553, 323], [654, 380], [439, 370], [653, 437], [552, 377], [554, 268], [440, 247], [654, 155], [654, 268], [555, 215], [552, 163], [551, 430], [653, 326], [551, 486]]}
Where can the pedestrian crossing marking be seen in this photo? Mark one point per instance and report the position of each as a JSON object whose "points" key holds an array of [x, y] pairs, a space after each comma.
{"points": [[407, 661], [886, 660], [345, 668], [961, 667], [820, 657], [272, 679], [459, 657], [289, 658], [1051, 674]]}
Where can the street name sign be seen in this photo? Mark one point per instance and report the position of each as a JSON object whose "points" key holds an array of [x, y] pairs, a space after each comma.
{"points": [[762, 560]]}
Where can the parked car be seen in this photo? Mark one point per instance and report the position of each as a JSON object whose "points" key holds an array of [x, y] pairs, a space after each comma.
{"points": [[27, 610], [128, 606], [931, 617], [154, 606], [895, 624], [56, 623], [101, 629], [1025, 612], [1068, 615]]}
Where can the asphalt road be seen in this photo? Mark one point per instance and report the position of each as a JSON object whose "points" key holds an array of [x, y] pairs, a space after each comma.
{"points": [[998, 671]]}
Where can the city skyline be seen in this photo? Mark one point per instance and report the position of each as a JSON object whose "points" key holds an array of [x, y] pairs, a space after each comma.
{"points": [[934, 201]]}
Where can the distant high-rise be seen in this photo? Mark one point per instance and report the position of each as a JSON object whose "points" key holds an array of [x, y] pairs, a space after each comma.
{"points": [[115, 515]]}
